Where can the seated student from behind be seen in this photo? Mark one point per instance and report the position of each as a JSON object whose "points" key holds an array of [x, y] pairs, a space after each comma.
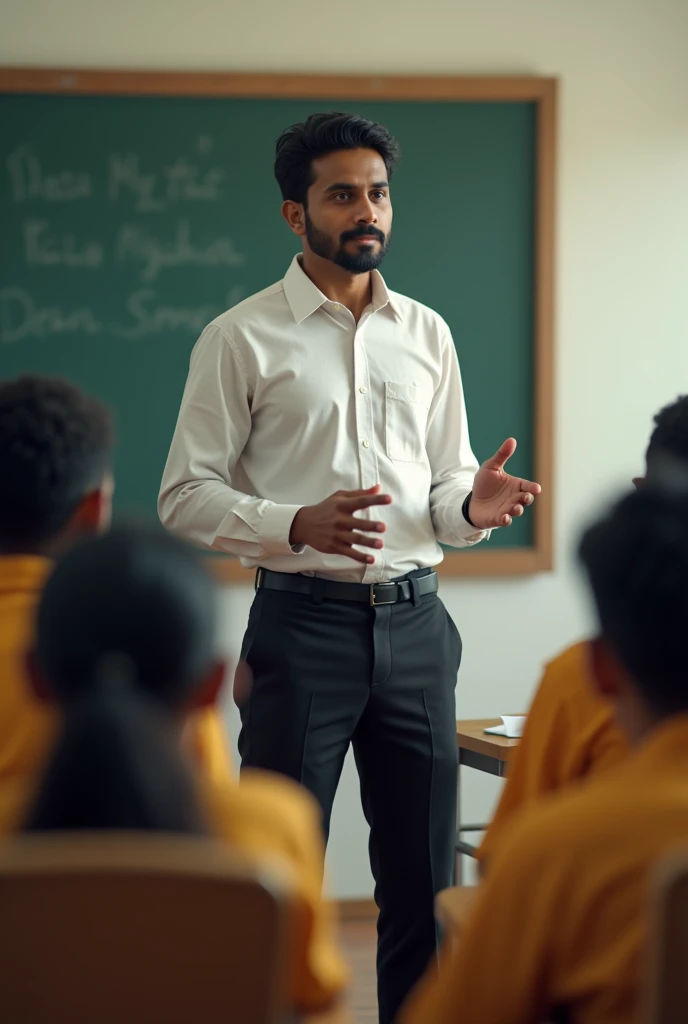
{"points": [[570, 731], [559, 923], [124, 648], [56, 460]]}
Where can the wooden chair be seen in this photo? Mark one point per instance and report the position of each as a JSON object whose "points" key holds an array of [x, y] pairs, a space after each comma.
{"points": [[666, 996], [453, 907], [139, 929]]}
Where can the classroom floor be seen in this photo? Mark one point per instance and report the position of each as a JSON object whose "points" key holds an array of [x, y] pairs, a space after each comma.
{"points": [[359, 941]]}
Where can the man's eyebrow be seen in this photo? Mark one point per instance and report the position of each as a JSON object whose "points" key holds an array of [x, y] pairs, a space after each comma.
{"points": [[346, 186]]}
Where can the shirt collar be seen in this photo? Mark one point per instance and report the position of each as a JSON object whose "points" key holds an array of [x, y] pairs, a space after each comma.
{"points": [[304, 297], [23, 573]]}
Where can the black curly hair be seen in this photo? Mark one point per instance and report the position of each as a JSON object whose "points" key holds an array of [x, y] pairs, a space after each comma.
{"points": [[320, 134], [55, 445], [670, 434], [636, 559]]}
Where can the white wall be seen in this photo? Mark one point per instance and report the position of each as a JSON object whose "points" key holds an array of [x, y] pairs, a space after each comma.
{"points": [[622, 267]]}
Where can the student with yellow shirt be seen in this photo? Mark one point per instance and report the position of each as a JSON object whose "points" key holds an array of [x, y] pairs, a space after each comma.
{"points": [[56, 460], [559, 923], [124, 648], [570, 731]]}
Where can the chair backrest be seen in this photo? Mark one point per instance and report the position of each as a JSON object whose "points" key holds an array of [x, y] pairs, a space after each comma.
{"points": [[666, 989], [133, 928]]}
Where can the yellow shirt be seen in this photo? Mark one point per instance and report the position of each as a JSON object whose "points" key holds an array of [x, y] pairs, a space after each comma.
{"points": [[266, 817], [569, 734], [27, 726], [560, 920]]}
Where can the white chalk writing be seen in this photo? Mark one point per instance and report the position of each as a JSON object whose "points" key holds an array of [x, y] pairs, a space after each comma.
{"points": [[179, 181], [42, 248], [135, 242], [21, 317], [149, 317], [29, 181]]}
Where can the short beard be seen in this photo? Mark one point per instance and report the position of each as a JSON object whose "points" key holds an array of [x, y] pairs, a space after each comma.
{"points": [[357, 263]]}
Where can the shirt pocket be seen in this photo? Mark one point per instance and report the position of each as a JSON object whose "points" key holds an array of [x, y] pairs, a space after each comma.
{"points": [[406, 419]]}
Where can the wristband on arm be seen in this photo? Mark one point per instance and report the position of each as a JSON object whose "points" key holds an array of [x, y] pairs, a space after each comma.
{"points": [[464, 510]]}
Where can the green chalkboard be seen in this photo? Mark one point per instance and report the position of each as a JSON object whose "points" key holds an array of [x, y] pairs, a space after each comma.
{"points": [[128, 222]]}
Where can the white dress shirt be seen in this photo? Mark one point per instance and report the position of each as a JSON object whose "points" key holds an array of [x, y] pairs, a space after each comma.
{"points": [[288, 399]]}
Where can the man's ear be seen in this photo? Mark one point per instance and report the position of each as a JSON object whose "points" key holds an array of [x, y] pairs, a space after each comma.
{"points": [[93, 514], [207, 694], [37, 683], [295, 216], [606, 671]]}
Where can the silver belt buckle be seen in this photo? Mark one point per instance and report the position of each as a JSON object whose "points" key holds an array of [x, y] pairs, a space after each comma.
{"points": [[373, 602]]}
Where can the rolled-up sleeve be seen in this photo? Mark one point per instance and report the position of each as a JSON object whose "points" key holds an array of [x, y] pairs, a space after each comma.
{"points": [[197, 498]]}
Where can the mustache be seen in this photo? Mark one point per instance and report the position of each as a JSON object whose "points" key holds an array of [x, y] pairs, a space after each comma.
{"points": [[364, 231]]}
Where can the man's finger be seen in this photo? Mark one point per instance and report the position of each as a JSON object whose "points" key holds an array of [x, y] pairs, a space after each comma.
{"points": [[515, 511], [365, 525], [363, 541], [358, 556], [530, 487], [501, 456], [364, 501], [357, 494]]}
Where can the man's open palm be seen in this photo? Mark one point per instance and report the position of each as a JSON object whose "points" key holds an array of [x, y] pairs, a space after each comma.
{"points": [[497, 497]]}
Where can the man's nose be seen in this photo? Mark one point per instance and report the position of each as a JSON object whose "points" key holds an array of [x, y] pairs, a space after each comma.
{"points": [[365, 212]]}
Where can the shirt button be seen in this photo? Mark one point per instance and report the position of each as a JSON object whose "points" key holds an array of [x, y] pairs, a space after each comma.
{"points": [[363, 390], [366, 444], [335, 305]]}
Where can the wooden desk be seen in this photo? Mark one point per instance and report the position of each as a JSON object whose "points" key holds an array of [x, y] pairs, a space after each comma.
{"points": [[484, 753]]}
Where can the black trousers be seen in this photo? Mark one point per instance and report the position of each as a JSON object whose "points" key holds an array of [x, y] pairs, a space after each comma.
{"points": [[330, 673]]}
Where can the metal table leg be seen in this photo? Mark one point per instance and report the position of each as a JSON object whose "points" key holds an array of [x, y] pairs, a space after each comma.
{"points": [[481, 763]]}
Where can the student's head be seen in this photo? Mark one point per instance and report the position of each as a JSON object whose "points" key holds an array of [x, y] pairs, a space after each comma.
{"points": [[55, 459], [636, 560], [669, 438], [124, 647], [334, 172]]}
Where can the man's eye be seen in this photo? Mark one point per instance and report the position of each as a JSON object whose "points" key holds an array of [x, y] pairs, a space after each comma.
{"points": [[379, 194], [340, 195]]}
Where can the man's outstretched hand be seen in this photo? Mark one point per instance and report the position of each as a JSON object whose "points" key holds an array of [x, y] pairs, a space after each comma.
{"points": [[332, 527], [497, 497]]}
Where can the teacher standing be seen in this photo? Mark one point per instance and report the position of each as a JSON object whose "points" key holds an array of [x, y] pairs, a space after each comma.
{"points": [[323, 439]]}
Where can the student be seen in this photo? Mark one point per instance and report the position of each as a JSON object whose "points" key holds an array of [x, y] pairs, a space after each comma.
{"points": [[570, 732], [559, 922], [56, 461], [124, 647]]}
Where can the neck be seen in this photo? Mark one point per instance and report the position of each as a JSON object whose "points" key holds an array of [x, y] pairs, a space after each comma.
{"points": [[351, 290], [635, 717]]}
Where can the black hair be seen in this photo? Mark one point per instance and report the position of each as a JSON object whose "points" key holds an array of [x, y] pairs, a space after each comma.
{"points": [[320, 134], [636, 559], [124, 636], [55, 445], [670, 433]]}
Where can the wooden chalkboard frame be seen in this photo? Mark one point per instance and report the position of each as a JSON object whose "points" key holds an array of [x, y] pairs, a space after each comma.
{"points": [[541, 91]]}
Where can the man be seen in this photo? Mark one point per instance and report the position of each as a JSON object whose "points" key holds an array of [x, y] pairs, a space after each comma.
{"points": [[559, 923], [570, 733], [56, 458], [322, 437], [56, 455]]}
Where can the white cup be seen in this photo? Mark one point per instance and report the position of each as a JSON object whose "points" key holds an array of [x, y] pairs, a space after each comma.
{"points": [[514, 725]]}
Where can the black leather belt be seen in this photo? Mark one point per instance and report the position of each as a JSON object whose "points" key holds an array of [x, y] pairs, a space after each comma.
{"points": [[372, 593]]}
